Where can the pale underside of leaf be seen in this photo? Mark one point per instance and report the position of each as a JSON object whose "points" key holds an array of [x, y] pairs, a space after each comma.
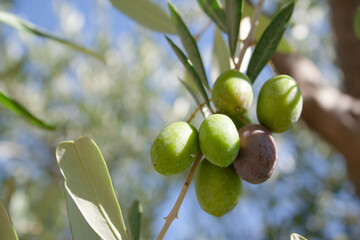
{"points": [[88, 183], [147, 14], [221, 55], [80, 228], [296, 236], [22, 25]]}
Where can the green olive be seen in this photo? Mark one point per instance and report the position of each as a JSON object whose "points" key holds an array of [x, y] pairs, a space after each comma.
{"points": [[219, 140], [232, 93], [175, 148], [279, 104], [217, 189]]}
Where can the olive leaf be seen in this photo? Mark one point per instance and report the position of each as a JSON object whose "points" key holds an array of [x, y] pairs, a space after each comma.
{"points": [[221, 55], [190, 69], [146, 13], [213, 8], [7, 230], [189, 44], [233, 11], [133, 220], [11, 104], [296, 236], [269, 41], [80, 228], [88, 183], [264, 21], [22, 25], [357, 23]]}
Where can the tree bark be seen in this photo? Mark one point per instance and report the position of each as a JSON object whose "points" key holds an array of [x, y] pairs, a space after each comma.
{"points": [[332, 114]]}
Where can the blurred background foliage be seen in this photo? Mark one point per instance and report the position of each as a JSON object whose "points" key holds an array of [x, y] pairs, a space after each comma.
{"points": [[125, 103]]}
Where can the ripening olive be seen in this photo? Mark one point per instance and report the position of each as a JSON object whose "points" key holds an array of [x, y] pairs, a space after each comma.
{"points": [[219, 140], [232, 93], [257, 157], [175, 148], [279, 103], [217, 189]]}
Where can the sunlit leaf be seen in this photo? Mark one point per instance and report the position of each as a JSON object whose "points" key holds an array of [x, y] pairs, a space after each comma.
{"points": [[146, 13], [133, 220], [357, 23], [7, 230], [296, 236], [213, 8], [17, 108], [269, 41], [189, 44], [190, 69], [233, 11], [88, 183], [22, 25], [221, 55], [80, 229], [264, 21]]}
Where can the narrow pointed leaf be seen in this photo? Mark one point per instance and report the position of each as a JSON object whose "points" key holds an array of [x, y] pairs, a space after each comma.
{"points": [[296, 236], [88, 183], [213, 8], [133, 220], [190, 69], [80, 229], [22, 25], [147, 14], [269, 41], [11, 104], [191, 91], [264, 21], [7, 230], [233, 12], [189, 44], [357, 23], [221, 55]]}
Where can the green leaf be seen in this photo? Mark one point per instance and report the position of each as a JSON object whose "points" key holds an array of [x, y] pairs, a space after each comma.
{"points": [[191, 90], [189, 44], [233, 11], [17, 108], [7, 230], [190, 69], [133, 220], [213, 8], [296, 236], [80, 229], [22, 25], [357, 24], [221, 55], [264, 21], [269, 41], [146, 13], [88, 183]]}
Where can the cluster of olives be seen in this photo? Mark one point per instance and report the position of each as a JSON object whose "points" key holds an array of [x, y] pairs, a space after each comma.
{"points": [[231, 147]]}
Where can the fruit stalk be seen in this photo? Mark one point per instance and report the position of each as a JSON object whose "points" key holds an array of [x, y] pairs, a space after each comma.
{"points": [[175, 210], [250, 37]]}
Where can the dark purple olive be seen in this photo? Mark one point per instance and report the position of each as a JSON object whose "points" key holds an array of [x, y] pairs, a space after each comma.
{"points": [[257, 157]]}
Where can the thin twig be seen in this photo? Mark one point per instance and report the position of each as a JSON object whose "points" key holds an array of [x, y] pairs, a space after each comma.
{"points": [[250, 37], [175, 210], [197, 36], [192, 116]]}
